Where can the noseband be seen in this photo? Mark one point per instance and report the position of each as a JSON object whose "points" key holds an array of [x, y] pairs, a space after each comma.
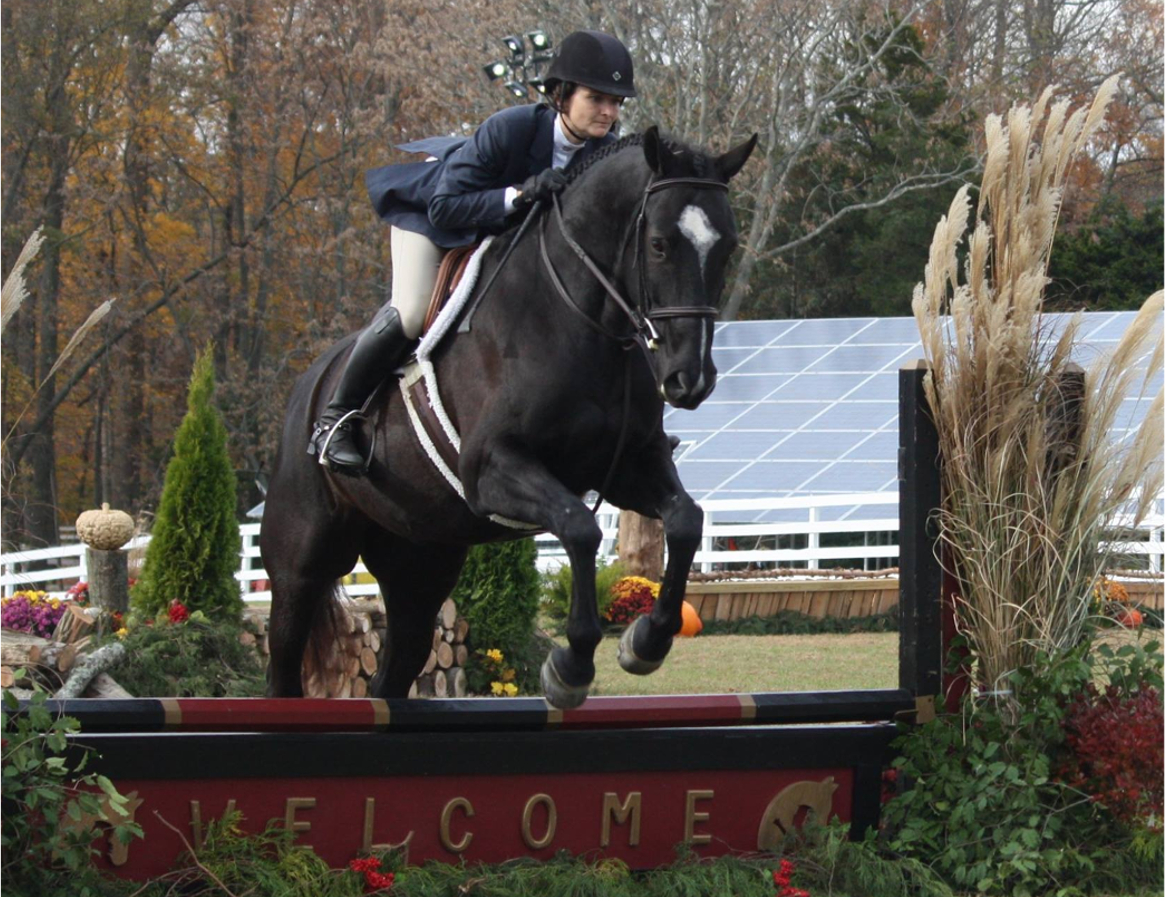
{"points": [[643, 313]]}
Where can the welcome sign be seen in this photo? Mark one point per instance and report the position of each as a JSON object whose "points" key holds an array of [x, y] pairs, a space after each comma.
{"points": [[488, 780]]}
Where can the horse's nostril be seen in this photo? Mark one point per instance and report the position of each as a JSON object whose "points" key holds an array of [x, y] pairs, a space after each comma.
{"points": [[677, 384]]}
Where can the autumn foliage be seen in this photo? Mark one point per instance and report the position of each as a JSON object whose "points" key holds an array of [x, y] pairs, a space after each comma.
{"points": [[1117, 745], [202, 166]]}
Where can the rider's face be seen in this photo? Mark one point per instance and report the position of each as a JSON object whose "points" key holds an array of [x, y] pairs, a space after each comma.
{"points": [[590, 112]]}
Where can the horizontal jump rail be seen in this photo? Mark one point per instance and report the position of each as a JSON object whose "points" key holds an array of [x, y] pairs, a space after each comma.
{"points": [[477, 714]]}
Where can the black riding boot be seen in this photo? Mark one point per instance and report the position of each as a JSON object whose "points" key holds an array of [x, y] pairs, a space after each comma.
{"points": [[380, 349]]}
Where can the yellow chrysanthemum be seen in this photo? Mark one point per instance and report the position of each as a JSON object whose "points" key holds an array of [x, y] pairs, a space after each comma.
{"points": [[495, 654], [122, 632], [630, 584], [508, 675], [497, 688], [511, 689]]}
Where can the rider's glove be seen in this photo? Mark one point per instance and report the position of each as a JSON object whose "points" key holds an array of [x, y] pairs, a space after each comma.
{"points": [[540, 187]]}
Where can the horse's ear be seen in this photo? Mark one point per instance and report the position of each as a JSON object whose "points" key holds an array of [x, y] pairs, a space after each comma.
{"points": [[730, 163], [653, 152]]}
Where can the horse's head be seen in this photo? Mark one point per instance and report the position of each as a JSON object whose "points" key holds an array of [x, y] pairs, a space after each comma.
{"points": [[686, 234]]}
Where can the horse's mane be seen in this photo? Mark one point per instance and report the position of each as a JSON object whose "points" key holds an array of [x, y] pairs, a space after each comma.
{"points": [[700, 162], [697, 161]]}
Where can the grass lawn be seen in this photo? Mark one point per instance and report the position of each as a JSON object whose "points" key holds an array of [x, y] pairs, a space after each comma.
{"points": [[719, 664]]}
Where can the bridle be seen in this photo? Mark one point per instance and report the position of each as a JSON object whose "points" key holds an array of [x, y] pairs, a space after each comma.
{"points": [[644, 334], [644, 312]]}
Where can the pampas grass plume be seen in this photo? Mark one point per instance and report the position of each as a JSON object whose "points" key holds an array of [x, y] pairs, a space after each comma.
{"points": [[1032, 476]]}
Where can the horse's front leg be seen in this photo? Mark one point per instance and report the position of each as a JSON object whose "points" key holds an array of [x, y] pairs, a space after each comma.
{"points": [[513, 484], [650, 486]]}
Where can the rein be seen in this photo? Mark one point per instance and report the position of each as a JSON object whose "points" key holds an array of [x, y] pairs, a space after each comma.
{"points": [[641, 315], [644, 335]]}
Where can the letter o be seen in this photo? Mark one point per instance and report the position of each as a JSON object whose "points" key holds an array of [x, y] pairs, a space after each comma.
{"points": [[530, 840]]}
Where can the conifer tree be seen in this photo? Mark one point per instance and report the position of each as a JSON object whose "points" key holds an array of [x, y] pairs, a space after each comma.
{"points": [[194, 552], [498, 593]]}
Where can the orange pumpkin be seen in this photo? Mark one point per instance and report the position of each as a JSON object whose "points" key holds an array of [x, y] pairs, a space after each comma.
{"points": [[690, 622], [1132, 619]]}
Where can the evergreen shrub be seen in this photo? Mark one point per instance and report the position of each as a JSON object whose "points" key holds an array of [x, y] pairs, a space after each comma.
{"points": [[194, 552], [192, 659], [498, 593], [557, 589]]}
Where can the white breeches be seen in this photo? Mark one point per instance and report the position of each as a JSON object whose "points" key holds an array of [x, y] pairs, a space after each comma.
{"points": [[415, 272]]}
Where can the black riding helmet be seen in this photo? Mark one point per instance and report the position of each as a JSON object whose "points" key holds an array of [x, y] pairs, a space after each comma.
{"points": [[595, 60]]}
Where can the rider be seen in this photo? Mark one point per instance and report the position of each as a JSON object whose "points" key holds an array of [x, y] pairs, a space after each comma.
{"points": [[471, 187]]}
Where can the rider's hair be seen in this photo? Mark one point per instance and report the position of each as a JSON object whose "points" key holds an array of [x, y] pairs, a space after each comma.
{"points": [[560, 94]]}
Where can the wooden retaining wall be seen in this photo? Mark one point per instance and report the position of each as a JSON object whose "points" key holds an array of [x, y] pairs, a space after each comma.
{"points": [[1144, 592], [845, 597], [737, 599]]}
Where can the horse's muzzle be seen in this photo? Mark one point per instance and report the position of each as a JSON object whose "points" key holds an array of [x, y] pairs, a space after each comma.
{"points": [[677, 390]]}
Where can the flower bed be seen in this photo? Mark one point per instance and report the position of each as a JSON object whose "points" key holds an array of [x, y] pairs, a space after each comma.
{"points": [[32, 611]]}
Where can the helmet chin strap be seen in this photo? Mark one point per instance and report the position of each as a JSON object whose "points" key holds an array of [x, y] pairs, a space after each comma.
{"points": [[567, 125]]}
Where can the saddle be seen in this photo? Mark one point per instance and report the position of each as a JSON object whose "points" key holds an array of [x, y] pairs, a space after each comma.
{"points": [[450, 272]]}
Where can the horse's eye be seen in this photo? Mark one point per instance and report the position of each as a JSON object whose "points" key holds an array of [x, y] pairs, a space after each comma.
{"points": [[659, 246]]}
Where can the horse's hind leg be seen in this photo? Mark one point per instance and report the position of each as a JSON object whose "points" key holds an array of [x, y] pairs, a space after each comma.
{"points": [[301, 600], [415, 581], [305, 553]]}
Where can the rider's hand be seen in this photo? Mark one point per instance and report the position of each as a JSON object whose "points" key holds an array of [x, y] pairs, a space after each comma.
{"points": [[540, 187]]}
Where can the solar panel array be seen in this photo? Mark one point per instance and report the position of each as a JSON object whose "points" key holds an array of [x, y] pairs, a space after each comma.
{"points": [[810, 407]]}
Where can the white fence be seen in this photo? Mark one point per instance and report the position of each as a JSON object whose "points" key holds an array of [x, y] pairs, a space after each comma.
{"points": [[724, 520]]}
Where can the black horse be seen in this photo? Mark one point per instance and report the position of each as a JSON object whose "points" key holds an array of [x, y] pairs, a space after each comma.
{"points": [[557, 390]]}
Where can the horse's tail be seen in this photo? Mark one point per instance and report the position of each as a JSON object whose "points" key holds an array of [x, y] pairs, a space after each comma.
{"points": [[322, 653]]}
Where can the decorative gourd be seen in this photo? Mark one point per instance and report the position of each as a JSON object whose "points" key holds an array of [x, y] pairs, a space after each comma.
{"points": [[105, 529], [1132, 619], [690, 622]]}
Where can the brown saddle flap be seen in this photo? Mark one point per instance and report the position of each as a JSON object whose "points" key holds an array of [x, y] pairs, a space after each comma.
{"points": [[450, 272]]}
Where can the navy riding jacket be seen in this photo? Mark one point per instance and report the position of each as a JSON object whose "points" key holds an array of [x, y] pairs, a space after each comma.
{"points": [[461, 196]]}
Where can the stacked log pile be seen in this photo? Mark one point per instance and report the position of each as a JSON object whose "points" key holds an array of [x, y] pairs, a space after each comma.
{"points": [[444, 673], [352, 662], [350, 668]]}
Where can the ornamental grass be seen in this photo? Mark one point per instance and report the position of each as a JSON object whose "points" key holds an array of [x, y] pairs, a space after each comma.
{"points": [[1034, 479]]}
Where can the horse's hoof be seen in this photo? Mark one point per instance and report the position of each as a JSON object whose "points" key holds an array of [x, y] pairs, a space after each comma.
{"points": [[558, 693], [629, 662]]}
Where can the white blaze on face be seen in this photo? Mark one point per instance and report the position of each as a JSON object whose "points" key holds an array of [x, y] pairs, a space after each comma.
{"points": [[695, 226]]}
